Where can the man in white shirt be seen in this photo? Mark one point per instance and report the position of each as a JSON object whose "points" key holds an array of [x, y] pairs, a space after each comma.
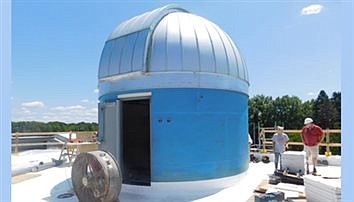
{"points": [[280, 142]]}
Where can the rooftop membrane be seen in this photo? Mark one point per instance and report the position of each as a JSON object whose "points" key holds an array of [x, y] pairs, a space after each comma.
{"points": [[48, 185]]}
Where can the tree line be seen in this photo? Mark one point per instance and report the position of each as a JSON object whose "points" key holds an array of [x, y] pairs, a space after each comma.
{"points": [[290, 111], [55, 126]]}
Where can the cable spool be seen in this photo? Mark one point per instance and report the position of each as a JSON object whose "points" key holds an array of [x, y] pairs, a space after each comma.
{"points": [[96, 177]]}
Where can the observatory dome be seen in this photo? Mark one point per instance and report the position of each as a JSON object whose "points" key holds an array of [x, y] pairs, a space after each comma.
{"points": [[170, 39], [173, 92]]}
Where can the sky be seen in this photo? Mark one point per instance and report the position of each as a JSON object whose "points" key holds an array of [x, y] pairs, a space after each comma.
{"points": [[290, 48]]}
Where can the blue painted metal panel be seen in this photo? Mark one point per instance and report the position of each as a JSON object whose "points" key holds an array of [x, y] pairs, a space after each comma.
{"points": [[196, 134], [206, 137]]}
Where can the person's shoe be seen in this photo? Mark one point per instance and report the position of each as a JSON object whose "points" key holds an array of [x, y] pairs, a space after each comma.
{"points": [[314, 172], [307, 169]]}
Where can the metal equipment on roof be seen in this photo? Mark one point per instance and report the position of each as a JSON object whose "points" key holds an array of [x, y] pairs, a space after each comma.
{"points": [[96, 177]]}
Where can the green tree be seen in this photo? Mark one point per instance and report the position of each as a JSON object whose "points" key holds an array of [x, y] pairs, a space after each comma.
{"points": [[55, 126], [307, 108], [324, 111], [287, 111], [261, 110], [336, 102]]}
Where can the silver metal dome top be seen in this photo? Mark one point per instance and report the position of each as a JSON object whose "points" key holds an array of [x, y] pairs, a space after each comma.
{"points": [[146, 20], [169, 39]]}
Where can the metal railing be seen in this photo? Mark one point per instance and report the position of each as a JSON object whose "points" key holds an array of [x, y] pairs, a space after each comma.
{"points": [[85, 136], [266, 140]]}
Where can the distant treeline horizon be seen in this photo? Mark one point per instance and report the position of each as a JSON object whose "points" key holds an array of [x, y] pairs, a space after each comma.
{"points": [[290, 111], [53, 126]]}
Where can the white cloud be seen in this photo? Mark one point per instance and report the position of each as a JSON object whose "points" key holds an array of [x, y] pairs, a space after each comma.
{"points": [[312, 9], [71, 114], [34, 104], [26, 111], [59, 108], [310, 93], [95, 110], [76, 107], [96, 91], [68, 108], [62, 113], [85, 100]]}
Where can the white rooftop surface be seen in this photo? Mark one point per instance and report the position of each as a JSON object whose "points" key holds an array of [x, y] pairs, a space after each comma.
{"points": [[47, 184], [30, 158]]}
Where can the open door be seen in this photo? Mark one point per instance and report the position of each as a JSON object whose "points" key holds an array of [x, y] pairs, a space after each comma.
{"points": [[136, 142]]}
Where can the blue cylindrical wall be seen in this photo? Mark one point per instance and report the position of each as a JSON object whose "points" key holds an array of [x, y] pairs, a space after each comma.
{"points": [[205, 137], [196, 134]]}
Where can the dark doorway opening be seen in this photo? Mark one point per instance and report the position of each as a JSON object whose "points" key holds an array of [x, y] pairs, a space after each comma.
{"points": [[136, 142]]}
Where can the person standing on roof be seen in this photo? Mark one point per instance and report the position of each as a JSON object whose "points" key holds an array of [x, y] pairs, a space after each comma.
{"points": [[280, 143], [311, 135], [250, 141]]}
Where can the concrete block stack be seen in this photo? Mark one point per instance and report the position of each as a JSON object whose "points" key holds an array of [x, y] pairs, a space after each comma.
{"points": [[322, 189]]}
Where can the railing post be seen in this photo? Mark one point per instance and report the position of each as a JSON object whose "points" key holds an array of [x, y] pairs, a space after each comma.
{"points": [[16, 142], [328, 151], [264, 150]]}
